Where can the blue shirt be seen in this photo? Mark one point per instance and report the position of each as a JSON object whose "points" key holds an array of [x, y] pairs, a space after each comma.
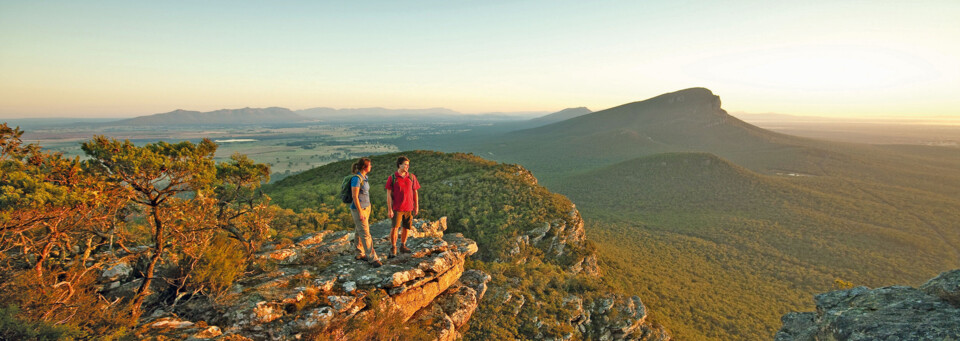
{"points": [[364, 195]]}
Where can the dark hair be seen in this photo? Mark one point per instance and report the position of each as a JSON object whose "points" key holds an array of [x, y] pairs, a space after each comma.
{"points": [[401, 160], [360, 165]]}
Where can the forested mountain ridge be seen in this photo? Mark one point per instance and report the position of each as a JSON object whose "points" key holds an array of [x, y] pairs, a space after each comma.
{"points": [[690, 205], [686, 120], [545, 283]]}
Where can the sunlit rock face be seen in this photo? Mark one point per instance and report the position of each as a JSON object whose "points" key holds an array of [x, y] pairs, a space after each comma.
{"points": [[319, 286], [931, 312]]}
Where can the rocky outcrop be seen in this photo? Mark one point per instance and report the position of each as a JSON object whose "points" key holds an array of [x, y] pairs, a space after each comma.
{"points": [[931, 312], [556, 238], [318, 287]]}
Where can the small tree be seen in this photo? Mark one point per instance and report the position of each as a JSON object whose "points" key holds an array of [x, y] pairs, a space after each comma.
{"points": [[48, 203], [241, 206], [157, 174]]}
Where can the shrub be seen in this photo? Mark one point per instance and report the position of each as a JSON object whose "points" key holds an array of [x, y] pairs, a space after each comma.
{"points": [[222, 262]]}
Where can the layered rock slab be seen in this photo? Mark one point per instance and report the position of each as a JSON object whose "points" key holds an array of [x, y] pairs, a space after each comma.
{"points": [[318, 284], [931, 312]]}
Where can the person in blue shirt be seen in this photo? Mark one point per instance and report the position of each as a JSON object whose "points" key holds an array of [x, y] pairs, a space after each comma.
{"points": [[360, 208]]}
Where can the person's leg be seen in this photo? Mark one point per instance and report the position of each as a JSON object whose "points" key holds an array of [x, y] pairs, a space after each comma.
{"points": [[393, 232], [367, 239], [357, 234], [406, 222]]}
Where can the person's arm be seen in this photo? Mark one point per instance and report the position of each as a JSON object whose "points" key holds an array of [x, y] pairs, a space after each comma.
{"points": [[389, 203], [416, 202], [356, 202], [389, 187]]}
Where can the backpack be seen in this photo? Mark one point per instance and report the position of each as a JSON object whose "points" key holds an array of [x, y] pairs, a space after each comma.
{"points": [[346, 195]]}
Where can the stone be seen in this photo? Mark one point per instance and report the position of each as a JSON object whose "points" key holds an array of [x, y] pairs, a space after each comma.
{"points": [[539, 233], [325, 283], [266, 312], [312, 238], [116, 272], [319, 317], [797, 326], [170, 322], [209, 332], [946, 286], [887, 313], [587, 266], [284, 256], [341, 303], [459, 302], [477, 280]]}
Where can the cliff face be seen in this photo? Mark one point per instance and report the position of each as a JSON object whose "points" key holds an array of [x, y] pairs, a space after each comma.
{"points": [[931, 312], [319, 289]]}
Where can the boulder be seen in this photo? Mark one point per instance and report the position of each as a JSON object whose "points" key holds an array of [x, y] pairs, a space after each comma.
{"points": [[946, 286], [116, 271], [888, 313]]}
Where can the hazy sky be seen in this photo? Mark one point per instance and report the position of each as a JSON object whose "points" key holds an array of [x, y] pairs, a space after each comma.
{"points": [[818, 58]]}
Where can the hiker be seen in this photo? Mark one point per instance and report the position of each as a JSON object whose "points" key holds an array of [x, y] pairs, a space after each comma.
{"points": [[403, 203], [360, 208]]}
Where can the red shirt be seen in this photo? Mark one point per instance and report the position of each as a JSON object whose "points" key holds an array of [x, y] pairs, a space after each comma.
{"points": [[402, 192]]}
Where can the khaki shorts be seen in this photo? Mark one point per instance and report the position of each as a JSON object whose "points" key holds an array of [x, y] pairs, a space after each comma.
{"points": [[404, 218]]}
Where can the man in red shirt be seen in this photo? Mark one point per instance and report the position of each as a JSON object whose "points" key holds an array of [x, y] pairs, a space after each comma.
{"points": [[403, 203]]}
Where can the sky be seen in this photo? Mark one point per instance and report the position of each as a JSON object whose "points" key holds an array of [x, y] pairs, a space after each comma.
{"points": [[812, 58]]}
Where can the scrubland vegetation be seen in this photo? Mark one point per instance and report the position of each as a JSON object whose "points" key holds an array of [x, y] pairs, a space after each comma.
{"points": [[718, 251]]}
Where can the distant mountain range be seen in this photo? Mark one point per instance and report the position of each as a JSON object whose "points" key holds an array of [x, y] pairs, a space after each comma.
{"points": [[411, 115], [284, 116], [245, 116]]}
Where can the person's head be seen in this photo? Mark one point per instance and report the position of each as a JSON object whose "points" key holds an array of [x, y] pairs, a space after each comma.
{"points": [[363, 164], [403, 163]]}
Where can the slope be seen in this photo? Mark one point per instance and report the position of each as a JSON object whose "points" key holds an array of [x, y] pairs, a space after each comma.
{"points": [[723, 252], [692, 120], [686, 120], [559, 116]]}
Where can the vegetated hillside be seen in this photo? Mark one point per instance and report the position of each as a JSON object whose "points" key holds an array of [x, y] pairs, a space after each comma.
{"points": [[531, 241], [245, 116], [692, 120], [561, 115], [722, 252], [686, 120], [877, 210]]}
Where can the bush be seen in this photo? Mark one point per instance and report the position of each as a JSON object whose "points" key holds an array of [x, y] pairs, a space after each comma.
{"points": [[13, 328], [222, 262], [31, 310]]}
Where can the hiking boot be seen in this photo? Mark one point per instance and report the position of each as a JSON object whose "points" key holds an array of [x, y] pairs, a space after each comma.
{"points": [[405, 249]]}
